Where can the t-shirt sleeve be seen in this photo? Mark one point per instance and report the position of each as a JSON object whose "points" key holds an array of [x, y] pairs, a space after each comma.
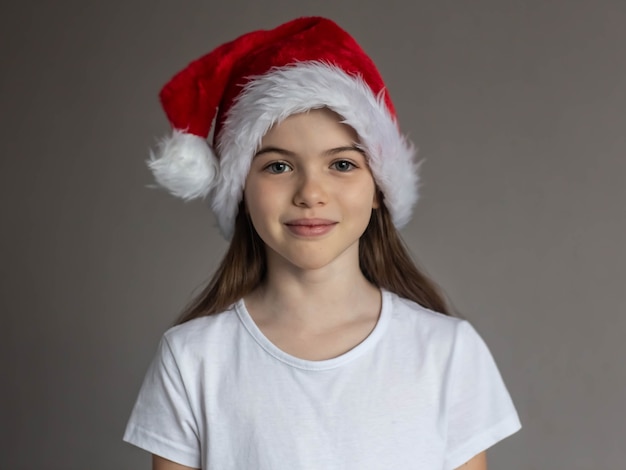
{"points": [[162, 421], [479, 408]]}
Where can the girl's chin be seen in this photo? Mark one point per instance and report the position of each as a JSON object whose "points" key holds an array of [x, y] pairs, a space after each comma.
{"points": [[304, 260]]}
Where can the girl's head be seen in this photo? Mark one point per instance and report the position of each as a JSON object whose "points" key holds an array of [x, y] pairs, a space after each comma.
{"points": [[244, 87], [242, 91]]}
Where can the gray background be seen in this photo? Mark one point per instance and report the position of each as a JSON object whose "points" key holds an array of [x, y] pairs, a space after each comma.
{"points": [[518, 109]]}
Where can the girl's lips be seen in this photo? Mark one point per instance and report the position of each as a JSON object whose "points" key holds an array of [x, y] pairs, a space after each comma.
{"points": [[310, 227]]}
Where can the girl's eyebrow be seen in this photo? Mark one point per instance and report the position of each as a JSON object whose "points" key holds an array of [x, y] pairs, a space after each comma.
{"points": [[346, 148], [288, 153], [278, 150]]}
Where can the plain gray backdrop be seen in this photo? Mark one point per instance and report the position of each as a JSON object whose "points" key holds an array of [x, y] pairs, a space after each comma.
{"points": [[519, 112]]}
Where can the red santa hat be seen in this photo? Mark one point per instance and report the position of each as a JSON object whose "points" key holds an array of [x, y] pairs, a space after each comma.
{"points": [[244, 87]]}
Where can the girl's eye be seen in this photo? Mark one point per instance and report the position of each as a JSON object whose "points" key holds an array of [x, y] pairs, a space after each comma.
{"points": [[278, 167], [343, 165]]}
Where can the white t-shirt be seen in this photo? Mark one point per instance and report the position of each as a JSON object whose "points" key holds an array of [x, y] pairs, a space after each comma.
{"points": [[420, 392]]}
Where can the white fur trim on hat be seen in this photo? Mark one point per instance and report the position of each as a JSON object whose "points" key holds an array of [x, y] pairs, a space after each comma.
{"points": [[185, 165], [270, 98]]}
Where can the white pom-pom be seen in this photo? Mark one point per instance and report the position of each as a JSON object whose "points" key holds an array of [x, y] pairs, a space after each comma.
{"points": [[185, 165]]}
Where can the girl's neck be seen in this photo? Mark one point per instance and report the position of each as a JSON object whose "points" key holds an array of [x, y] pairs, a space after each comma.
{"points": [[314, 299]]}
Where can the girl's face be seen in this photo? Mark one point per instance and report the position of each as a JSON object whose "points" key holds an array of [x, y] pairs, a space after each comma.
{"points": [[309, 192]]}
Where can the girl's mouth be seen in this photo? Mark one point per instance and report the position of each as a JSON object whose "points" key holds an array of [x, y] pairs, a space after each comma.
{"points": [[310, 227]]}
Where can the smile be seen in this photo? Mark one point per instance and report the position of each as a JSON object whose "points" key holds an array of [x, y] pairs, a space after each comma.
{"points": [[310, 227]]}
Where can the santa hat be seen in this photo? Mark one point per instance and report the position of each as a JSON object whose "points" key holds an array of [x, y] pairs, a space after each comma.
{"points": [[244, 87]]}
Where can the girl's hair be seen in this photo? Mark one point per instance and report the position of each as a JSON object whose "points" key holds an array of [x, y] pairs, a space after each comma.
{"points": [[383, 258]]}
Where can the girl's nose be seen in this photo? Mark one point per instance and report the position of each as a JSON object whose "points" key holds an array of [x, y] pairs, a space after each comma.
{"points": [[310, 191]]}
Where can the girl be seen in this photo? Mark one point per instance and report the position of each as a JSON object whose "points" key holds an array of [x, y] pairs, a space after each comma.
{"points": [[317, 344]]}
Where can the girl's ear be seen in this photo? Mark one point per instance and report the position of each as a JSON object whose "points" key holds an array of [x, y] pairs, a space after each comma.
{"points": [[377, 198], [244, 206]]}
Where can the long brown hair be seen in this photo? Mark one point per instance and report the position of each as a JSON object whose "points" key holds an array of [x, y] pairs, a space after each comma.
{"points": [[383, 259]]}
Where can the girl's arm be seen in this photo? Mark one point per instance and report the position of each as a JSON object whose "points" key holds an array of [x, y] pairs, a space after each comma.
{"points": [[159, 463], [479, 462]]}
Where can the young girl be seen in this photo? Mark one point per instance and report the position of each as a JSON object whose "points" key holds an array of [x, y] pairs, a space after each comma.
{"points": [[317, 345]]}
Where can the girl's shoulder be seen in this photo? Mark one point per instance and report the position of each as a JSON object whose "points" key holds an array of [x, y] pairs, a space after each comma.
{"points": [[415, 324], [204, 332], [410, 314]]}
